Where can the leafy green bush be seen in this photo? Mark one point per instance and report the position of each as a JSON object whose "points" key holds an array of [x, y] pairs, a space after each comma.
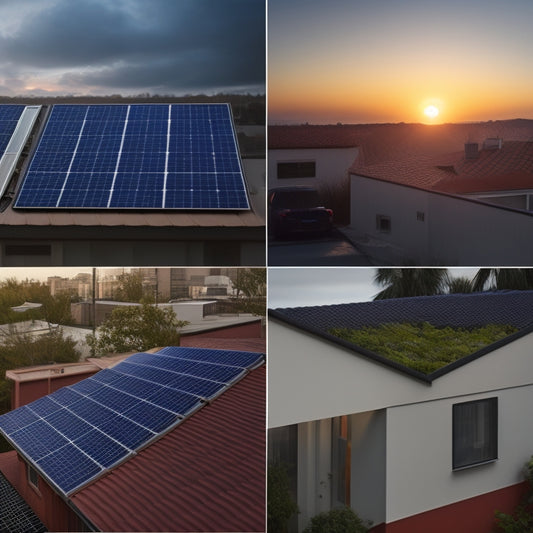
{"points": [[280, 504], [136, 328], [423, 347], [521, 520], [337, 521]]}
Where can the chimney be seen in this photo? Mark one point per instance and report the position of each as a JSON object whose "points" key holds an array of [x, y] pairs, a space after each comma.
{"points": [[492, 143], [471, 150]]}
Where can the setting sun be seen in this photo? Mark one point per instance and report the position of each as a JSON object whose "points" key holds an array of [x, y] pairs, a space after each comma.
{"points": [[431, 111]]}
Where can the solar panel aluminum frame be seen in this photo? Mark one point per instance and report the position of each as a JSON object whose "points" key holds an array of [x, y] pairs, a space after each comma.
{"points": [[18, 140], [139, 208]]}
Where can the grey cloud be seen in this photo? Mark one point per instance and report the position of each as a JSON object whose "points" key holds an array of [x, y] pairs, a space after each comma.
{"points": [[132, 43]]}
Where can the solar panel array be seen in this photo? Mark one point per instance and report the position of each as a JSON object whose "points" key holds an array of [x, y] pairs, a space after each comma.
{"points": [[79, 432], [141, 156], [9, 116]]}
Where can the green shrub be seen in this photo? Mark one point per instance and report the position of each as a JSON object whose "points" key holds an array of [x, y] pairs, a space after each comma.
{"points": [[521, 519], [337, 521], [280, 504]]}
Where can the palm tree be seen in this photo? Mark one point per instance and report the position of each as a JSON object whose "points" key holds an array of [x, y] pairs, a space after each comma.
{"points": [[404, 282], [503, 278], [462, 285]]}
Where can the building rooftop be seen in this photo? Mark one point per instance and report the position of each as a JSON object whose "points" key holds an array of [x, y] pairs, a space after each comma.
{"points": [[307, 136], [206, 403], [497, 169], [465, 311]]}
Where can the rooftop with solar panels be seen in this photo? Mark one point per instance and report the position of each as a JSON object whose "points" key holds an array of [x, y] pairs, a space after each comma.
{"points": [[155, 173], [75, 437]]}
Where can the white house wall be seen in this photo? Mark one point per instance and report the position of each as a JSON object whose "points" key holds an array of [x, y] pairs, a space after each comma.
{"points": [[332, 165], [419, 453], [314, 470], [454, 231], [369, 464], [311, 379]]}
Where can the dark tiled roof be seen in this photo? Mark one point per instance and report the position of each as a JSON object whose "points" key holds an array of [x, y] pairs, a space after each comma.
{"points": [[16, 515], [293, 137], [513, 308]]}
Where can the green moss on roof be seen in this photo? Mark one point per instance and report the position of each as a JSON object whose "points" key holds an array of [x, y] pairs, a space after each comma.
{"points": [[423, 347]]}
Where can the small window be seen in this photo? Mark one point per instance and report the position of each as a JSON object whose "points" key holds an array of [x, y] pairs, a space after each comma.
{"points": [[299, 169], [475, 432], [33, 477], [420, 216], [383, 223]]}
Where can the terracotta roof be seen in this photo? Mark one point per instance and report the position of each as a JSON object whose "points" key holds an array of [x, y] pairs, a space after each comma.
{"points": [[244, 345], [508, 168], [206, 475], [290, 137]]}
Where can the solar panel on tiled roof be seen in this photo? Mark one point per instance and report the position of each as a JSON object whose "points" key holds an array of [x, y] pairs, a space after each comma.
{"points": [[80, 431], [9, 115], [141, 156]]}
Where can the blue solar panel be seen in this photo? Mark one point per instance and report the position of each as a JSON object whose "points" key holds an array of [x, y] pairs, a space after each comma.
{"points": [[98, 422], [9, 116], [141, 156]]}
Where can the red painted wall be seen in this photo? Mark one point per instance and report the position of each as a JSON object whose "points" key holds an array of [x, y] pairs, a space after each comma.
{"points": [[251, 330], [23, 392], [475, 515]]}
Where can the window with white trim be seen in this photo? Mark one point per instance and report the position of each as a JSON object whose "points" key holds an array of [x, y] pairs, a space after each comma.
{"points": [[475, 432]]}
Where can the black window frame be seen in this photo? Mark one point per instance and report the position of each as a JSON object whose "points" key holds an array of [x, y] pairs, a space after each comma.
{"points": [[475, 441], [296, 169], [383, 223]]}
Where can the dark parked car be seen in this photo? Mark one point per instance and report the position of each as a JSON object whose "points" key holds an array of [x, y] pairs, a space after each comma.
{"points": [[297, 210]]}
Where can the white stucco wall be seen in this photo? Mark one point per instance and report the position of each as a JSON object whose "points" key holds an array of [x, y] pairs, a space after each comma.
{"points": [[314, 470], [311, 379], [332, 165], [419, 453], [454, 232]]}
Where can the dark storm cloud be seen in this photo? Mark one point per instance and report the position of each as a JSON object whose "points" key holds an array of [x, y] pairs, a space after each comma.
{"points": [[171, 45]]}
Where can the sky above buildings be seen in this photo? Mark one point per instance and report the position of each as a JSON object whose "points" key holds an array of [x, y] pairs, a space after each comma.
{"points": [[130, 47], [355, 61], [295, 287]]}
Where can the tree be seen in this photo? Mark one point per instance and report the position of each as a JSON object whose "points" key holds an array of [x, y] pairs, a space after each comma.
{"points": [[136, 328], [131, 287], [503, 278], [252, 284], [404, 282], [20, 350], [461, 285]]}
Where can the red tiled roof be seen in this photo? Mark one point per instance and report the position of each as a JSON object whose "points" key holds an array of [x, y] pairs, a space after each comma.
{"points": [[208, 474], [508, 168], [241, 345], [291, 137]]}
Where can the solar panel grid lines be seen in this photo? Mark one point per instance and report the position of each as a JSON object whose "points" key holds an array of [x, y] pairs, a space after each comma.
{"points": [[102, 421], [138, 156], [9, 116]]}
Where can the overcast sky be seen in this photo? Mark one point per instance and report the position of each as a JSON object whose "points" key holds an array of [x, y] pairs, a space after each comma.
{"points": [[294, 287], [102, 47]]}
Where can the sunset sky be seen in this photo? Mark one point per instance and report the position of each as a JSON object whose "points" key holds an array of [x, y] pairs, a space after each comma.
{"points": [[103, 47], [360, 61]]}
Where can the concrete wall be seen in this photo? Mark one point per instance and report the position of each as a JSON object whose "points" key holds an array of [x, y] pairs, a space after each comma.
{"points": [[332, 165], [454, 231], [311, 379], [419, 453]]}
